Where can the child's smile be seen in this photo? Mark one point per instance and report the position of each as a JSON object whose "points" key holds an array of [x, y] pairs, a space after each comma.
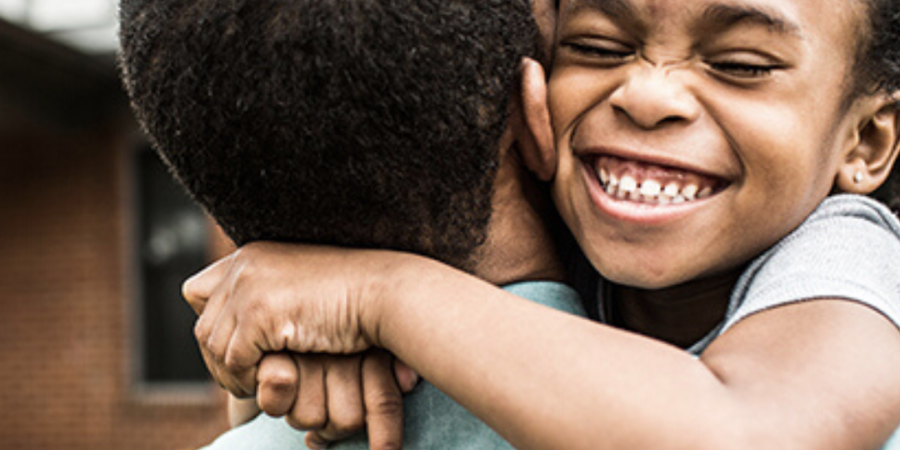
{"points": [[634, 181], [642, 182], [692, 134]]}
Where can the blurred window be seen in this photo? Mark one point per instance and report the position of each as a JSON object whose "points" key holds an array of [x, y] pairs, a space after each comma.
{"points": [[87, 25], [172, 244]]}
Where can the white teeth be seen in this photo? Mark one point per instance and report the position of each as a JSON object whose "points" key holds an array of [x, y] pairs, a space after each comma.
{"points": [[672, 190], [689, 192], [613, 185], [650, 189], [627, 184]]}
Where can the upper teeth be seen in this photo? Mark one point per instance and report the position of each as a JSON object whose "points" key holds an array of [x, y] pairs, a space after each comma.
{"points": [[650, 191]]}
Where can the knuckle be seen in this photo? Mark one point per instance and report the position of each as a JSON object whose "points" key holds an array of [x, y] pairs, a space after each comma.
{"points": [[347, 424], [280, 380], [272, 405], [202, 331], [232, 363], [308, 421], [385, 404]]}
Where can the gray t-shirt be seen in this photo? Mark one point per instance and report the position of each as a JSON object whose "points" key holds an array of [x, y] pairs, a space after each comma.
{"points": [[432, 421]]}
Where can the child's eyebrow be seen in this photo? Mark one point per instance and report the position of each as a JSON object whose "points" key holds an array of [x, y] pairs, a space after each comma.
{"points": [[622, 11], [615, 9], [719, 16], [723, 16]]}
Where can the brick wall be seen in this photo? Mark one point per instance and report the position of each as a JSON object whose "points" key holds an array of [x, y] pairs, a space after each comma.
{"points": [[65, 306]]}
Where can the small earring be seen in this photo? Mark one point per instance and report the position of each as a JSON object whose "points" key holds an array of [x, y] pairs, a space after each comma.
{"points": [[858, 177]]}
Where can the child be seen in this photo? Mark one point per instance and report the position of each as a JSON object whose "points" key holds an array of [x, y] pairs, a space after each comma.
{"points": [[303, 121], [696, 143]]}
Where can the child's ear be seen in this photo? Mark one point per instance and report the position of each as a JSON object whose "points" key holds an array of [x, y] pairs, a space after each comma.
{"points": [[869, 162], [530, 121]]}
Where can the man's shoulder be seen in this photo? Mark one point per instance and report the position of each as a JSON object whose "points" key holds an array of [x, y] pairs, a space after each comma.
{"points": [[549, 293], [262, 433]]}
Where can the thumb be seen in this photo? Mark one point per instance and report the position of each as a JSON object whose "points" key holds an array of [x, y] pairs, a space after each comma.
{"points": [[407, 379], [199, 288]]}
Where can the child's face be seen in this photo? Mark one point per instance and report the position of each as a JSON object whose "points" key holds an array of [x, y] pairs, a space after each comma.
{"points": [[693, 134]]}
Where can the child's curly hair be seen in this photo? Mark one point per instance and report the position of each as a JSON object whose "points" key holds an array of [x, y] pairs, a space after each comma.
{"points": [[877, 70]]}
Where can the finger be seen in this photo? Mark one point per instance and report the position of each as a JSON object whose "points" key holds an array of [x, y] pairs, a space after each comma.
{"points": [[309, 411], [278, 378], [407, 379], [343, 390], [243, 355], [315, 441], [200, 287], [211, 366], [203, 331], [216, 346], [384, 404]]}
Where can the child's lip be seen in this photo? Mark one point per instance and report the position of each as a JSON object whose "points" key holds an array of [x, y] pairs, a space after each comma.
{"points": [[639, 212]]}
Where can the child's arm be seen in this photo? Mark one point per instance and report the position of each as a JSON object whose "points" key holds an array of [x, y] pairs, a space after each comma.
{"points": [[818, 374]]}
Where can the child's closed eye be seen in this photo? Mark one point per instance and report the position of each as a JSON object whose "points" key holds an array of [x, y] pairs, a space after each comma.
{"points": [[744, 67], [608, 52], [743, 70]]}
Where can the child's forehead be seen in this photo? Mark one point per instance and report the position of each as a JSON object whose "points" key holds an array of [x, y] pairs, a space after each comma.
{"points": [[781, 15], [835, 25]]}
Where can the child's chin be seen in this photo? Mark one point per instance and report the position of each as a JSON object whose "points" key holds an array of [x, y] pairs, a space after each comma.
{"points": [[645, 277]]}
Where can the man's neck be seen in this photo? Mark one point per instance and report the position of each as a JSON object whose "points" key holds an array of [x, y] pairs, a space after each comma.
{"points": [[519, 245]]}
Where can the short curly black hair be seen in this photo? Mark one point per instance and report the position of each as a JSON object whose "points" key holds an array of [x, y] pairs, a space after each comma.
{"points": [[877, 71], [369, 123]]}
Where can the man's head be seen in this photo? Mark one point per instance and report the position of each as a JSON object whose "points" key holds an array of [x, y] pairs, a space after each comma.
{"points": [[369, 123]]}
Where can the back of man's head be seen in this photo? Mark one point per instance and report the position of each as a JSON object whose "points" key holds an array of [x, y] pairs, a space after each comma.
{"points": [[369, 123]]}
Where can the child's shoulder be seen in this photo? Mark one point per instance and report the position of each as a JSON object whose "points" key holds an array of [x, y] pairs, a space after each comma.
{"points": [[848, 248], [865, 210]]}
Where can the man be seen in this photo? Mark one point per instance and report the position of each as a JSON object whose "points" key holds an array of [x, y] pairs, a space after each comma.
{"points": [[383, 124]]}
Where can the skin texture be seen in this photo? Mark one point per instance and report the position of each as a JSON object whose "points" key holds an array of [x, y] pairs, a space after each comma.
{"points": [[817, 374]]}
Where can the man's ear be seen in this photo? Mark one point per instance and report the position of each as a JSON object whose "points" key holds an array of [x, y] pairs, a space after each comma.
{"points": [[868, 164], [530, 121]]}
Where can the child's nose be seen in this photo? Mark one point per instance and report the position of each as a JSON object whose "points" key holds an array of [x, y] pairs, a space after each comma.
{"points": [[653, 96]]}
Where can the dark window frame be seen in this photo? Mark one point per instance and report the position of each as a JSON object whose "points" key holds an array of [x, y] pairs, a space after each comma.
{"points": [[154, 246]]}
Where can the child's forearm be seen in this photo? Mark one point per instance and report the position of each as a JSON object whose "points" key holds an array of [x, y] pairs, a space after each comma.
{"points": [[817, 374], [545, 379]]}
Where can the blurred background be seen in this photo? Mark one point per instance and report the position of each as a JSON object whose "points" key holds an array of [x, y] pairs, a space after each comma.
{"points": [[95, 240]]}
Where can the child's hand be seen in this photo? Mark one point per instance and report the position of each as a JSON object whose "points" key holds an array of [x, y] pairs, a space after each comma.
{"points": [[268, 297], [334, 397]]}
